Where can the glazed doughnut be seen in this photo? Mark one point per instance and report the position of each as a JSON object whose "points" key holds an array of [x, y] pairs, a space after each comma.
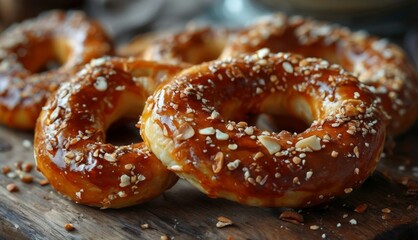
{"points": [[383, 66], [193, 45], [70, 147], [192, 124], [27, 48]]}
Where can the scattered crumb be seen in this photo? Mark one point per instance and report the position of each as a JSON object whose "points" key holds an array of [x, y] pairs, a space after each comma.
{"points": [[6, 169], [386, 210], [386, 216], [324, 236], [69, 227], [27, 143], [291, 216], [27, 167], [164, 237], [12, 187], [314, 227], [223, 222], [345, 215], [353, 221], [338, 225], [43, 182], [361, 208], [145, 226], [26, 178]]}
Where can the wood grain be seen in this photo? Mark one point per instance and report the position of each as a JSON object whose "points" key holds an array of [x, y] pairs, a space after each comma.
{"points": [[38, 212]]}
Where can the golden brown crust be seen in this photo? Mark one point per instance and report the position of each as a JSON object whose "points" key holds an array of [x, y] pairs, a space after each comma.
{"points": [[70, 136], [69, 38], [193, 45], [192, 124], [381, 65]]}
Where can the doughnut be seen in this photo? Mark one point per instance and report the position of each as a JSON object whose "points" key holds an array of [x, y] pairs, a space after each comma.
{"points": [[381, 65], [192, 124], [193, 45], [26, 50], [70, 136]]}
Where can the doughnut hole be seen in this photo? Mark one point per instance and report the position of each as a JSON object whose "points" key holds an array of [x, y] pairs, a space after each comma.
{"points": [[277, 114], [45, 54]]}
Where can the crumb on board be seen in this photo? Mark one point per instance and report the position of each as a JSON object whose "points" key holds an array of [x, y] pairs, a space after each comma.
{"points": [[12, 187], [223, 222], [69, 227], [292, 217]]}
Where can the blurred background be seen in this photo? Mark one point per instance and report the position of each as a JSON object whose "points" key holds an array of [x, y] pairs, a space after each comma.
{"points": [[123, 19]]}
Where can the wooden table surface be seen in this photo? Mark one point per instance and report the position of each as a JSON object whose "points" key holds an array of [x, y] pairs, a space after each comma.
{"points": [[38, 212]]}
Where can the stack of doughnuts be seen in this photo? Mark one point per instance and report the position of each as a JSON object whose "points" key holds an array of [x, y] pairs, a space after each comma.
{"points": [[197, 92]]}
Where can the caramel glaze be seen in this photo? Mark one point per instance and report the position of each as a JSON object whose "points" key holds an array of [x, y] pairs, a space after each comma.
{"points": [[192, 125], [193, 45], [26, 48], [70, 136], [381, 65]]}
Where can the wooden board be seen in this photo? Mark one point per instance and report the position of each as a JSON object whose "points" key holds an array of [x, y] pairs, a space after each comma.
{"points": [[37, 211]]}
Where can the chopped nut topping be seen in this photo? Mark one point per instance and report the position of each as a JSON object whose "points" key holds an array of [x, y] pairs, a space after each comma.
{"points": [[218, 162], [110, 157], [125, 180], [311, 142], [308, 175], [356, 152], [175, 168], [296, 160], [287, 67], [233, 165], [232, 146], [293, 217], [207, 131], [100, 84], [221, 135], [185, 132], [348, 190], [270, 143], [334, 154]]}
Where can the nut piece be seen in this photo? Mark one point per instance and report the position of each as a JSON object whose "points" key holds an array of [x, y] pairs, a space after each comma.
{"points": [[185, 132], [361, 208], [270, 143], [311, 142], [293, 217], [12, 187], [386, 210], [223, 222], [314, 227], [26, 178], [145, 226], [218, 162], [44, 182], [69, 227], [6, 169]]}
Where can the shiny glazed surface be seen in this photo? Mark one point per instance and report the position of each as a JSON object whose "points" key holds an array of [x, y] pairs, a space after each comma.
{"points": [[381, 65], [193, 125], [70, 136], [26, 50]]}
